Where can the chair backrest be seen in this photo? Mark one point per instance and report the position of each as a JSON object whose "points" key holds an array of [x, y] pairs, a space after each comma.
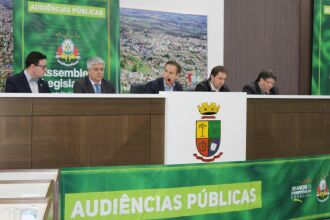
{"points": [[189, 88], [138, 88]]}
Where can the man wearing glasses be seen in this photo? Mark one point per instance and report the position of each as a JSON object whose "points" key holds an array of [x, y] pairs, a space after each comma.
{"points": [[264, 84], [29, 80]]}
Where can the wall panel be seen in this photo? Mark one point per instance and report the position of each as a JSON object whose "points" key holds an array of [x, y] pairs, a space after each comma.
{"points": [[275, 34]]}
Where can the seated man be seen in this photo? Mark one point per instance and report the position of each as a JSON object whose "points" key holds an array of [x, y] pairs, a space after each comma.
{"points": [[264, 84], [94, 82], [30, 80], [216, 81], [168, 82]]}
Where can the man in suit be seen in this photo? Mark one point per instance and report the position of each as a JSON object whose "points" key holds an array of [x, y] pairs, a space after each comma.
{"points": [[94, 82], [168, 82], [263, 85], [216, 81], [30, 80]]}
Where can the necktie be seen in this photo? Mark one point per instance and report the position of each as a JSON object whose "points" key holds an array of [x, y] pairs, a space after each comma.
{"points": [[97, 88]]}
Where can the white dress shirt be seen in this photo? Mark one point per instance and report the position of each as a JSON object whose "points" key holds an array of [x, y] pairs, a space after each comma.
{"points": [[93, 84], [33, 83]]}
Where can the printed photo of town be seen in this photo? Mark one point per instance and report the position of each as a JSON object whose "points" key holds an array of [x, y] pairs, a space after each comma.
{"points": [[6, 41], [148, 39]]}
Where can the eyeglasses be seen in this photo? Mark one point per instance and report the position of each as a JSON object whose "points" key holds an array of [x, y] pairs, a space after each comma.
{"points": [[42, 66]]}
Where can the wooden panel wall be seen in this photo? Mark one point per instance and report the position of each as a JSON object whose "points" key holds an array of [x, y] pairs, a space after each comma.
{"points": [[276, 34], [287, 128], [15, 133], [55, 133], [68, 132]]}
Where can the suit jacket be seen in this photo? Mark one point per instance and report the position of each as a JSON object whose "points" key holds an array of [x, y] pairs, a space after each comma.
{"points": [[19, 83], [254, 88], [84, 85], [157, 85], [205, 86]]}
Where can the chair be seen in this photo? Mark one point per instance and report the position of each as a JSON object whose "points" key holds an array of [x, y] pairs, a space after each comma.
{"points": [[138, 88], [189, 88]]}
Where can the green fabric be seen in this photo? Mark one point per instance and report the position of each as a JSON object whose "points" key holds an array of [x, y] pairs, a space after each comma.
{"points": [[321, 48], [264, 189], [92, 27]]}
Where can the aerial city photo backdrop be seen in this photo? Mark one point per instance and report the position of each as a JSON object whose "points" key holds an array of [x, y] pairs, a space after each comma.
{"points": [[6, 41], [148, 39]]}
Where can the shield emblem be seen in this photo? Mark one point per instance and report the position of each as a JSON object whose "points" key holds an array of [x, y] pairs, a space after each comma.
{"points": [[208, 136]]}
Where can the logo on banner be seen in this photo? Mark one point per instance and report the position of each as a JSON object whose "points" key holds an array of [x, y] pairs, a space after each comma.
{"points": [[67, 53], [301, 191], [208, 133], [322, 191]]}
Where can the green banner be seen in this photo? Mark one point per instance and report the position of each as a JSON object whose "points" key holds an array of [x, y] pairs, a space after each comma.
{"points": [[294, 188], [321, 48], [68, 32]]}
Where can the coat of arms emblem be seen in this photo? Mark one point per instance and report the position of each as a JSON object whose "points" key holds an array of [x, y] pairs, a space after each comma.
{"points": [[208, 133], [322, 191], [67, 53]]}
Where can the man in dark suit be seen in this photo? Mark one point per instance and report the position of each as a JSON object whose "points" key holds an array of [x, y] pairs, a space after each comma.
{"points": [[216, 81], [30, 80], [94, 82], [168, 82], [263, 85]]}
